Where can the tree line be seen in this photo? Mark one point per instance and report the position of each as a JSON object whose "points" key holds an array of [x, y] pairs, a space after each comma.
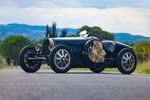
{"points": [[52, 32]]}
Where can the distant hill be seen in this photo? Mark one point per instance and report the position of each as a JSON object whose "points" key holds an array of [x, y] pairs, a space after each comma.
{"points": [[126, 37], [34, 32]]}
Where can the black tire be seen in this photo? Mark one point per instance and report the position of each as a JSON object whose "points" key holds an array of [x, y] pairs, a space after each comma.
{"points": [[32, 65], [126, 65], [60, 65], [96, 69]]}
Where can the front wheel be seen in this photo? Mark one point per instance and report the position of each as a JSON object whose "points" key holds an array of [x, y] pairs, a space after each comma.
{"points": [[60, 59], [126, 61], [27, 59]]}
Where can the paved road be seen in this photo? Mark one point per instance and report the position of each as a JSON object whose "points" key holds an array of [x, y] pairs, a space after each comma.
{"points": [[75, 85]]}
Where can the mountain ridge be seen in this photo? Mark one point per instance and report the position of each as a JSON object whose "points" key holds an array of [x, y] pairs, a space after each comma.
{"points": [[127, 37], [37, 32]]}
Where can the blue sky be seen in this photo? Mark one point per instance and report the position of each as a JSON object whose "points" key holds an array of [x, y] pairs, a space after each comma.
{"points": [[130, 16]]}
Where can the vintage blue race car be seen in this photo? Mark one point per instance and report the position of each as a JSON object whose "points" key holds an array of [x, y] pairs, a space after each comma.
{"points": [[72, 52]]}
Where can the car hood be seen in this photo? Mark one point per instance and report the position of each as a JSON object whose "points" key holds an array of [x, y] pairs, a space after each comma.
{"points": [[70, 40], [122, 44]]}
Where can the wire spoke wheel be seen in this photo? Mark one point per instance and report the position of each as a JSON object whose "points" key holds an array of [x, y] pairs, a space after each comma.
{"points": [[128, 61], [62, 59]]}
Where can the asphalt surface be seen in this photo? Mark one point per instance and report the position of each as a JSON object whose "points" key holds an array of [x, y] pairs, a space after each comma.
{"points": [[15, 84]]}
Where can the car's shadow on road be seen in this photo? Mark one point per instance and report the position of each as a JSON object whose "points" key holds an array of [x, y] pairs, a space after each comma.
{"points": [[68, 73]]}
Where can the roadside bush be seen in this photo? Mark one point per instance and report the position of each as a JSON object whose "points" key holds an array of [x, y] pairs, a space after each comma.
{"points": [[37, 42], [0, 59], [142, 50]]}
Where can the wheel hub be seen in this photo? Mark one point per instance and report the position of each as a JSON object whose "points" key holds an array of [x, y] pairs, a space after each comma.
{"points": [[29, 59], [63, 59]]}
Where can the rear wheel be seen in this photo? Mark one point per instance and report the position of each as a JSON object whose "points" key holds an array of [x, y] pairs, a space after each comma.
{"points": [[87, 48], [27, 59], [96, 69], [126, 61]]}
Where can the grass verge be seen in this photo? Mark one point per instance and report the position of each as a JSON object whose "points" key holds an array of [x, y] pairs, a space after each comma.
{"points": [[141, 68]]}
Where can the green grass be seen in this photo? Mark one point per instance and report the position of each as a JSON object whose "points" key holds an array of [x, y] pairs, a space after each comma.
{"points": [[143, 68], [111, 70], [6, 66], [48, 67]]}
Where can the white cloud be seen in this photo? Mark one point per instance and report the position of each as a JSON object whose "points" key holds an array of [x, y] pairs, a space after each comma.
{"points": [[119, 19]]}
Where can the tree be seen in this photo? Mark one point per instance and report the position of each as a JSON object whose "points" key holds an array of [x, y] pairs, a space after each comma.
{"points": [[0, 41], [97, 32], [8, 61], [64, 33], [11, 46], [72, 35], [47, 31], [0, 59], [85, 27], [50, 32], [54, 30]]}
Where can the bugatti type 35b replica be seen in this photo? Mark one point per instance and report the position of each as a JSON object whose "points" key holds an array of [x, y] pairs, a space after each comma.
{"points": [[84, 51]]}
